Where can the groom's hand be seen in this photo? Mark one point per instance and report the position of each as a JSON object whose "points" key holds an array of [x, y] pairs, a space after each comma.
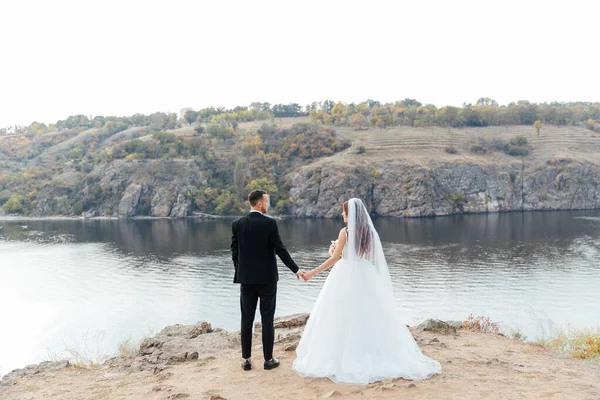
{"points": [[300, 274]]}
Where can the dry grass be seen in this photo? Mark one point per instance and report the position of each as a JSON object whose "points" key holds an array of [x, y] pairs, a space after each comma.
{"points": [[431, 143], [517, 333], [589, 349], [87, 352], [578, 343], [70, 143], [481, 324], [129, 347], [283, 123]]}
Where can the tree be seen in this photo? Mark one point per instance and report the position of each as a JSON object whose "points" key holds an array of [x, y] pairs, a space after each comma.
{"points": [[239, 180], [486, 101], [372, 103], [286, 110], [262, 184], [112, 127], [221, 131], [449, 116], [190, 116], [408, 102], [37, 129], [363, 109], [327, 106], [228, 204], [14, 205], [357, 121], [338, 112], [538, 126], [164, 138], [74, 121]]}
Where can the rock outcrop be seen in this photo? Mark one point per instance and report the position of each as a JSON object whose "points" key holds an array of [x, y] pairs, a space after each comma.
{"points": [[437, 326], [30, 370], [416, 190], [155, 188]]}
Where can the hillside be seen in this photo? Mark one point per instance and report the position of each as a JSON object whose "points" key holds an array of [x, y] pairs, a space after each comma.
{"points": [[310, 169], [430, 142], [409, 172], [153, 172]]}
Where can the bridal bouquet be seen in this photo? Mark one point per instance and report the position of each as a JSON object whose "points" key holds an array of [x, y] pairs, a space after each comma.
{"points": [[332, 247]]}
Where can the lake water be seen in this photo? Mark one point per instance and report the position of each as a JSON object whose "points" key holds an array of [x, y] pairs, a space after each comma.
{"points": [[87, 285]]}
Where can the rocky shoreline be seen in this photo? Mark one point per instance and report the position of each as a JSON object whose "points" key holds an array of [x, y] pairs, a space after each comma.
{"points": [[201, 362], [108, 218]]}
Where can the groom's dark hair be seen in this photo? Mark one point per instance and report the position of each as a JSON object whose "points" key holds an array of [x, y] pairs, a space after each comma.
{"points": [[255, 196]]}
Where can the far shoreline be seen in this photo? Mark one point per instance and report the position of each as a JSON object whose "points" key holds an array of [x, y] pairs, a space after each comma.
{"points": [[213, 217]]}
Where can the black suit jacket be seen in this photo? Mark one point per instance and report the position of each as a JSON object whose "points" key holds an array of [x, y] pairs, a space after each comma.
{"points": [[254, 243]]}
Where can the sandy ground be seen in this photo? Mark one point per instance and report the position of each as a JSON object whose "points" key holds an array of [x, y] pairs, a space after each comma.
{"points": [[475, 366]]}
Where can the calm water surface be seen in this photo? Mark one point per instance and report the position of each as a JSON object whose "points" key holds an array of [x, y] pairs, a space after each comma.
{"points": [[88, 285]]}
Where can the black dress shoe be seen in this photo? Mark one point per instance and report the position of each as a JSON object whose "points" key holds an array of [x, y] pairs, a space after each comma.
{"points": [[246, 365], [272, 363]]}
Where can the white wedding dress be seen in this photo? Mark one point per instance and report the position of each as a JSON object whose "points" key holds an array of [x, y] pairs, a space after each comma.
{"points": [[355, 334]]}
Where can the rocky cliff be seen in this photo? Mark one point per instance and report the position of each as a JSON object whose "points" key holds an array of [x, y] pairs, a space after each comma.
{"points": [[408, 189], [157, 188], [166, 188]]}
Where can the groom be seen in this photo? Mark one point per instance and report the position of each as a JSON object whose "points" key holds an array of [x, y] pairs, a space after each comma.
{"points": [[254, 243]]}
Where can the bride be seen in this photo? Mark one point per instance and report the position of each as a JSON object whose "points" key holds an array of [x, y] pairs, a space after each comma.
{"points": [[354, 334]]}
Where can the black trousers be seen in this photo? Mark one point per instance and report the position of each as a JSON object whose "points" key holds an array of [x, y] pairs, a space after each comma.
{"points": [[249, 295]]}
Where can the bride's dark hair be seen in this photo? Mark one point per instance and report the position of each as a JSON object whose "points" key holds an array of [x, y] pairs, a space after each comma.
{"points": [[362, 236]]}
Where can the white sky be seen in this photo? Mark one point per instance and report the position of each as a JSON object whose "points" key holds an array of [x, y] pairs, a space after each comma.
{"points": [[59, 58]]}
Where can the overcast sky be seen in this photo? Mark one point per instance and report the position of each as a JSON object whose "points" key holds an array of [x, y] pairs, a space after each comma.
{"points": [[59, 58]]}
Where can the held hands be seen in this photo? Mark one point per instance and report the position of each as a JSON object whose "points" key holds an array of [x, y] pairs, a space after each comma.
{"points": [[305, 275], [308, 275]]}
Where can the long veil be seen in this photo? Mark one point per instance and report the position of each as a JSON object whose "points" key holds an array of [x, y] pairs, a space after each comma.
{"points": [[364, 244], [363, 241]]}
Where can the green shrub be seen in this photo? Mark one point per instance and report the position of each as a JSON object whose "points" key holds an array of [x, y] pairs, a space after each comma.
{"points": [[519, 141], [516, 150], [78, 208], [76, 153], [360, 149], [14, 205], [228, 204], [477, 148]]}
